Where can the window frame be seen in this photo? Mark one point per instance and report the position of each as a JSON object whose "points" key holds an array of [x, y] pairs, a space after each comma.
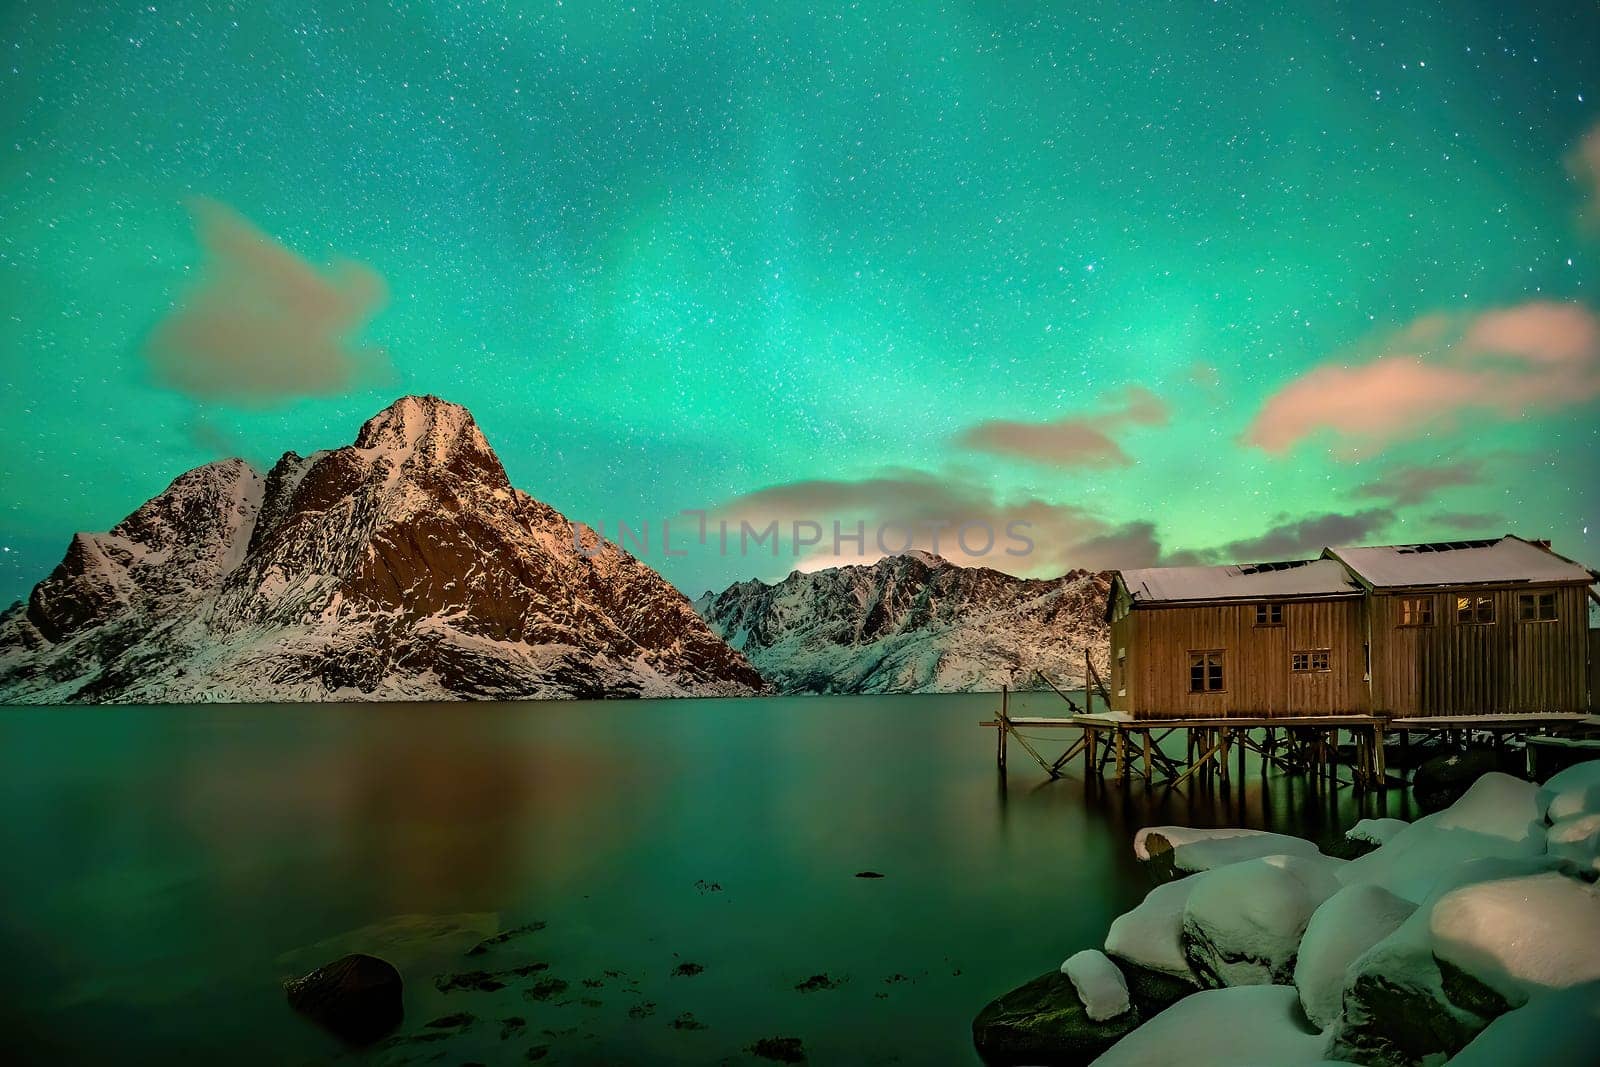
{"points": [[1423, 613], [1473, 604], [1265, 612], [1538, 599], [1311, 658], [1208, 665]]}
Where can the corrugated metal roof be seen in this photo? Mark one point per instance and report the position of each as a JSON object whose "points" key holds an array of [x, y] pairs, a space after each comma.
{"points": [[1510, 559], [1312, 577]]}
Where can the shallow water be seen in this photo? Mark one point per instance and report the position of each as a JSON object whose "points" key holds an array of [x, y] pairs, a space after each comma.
{"points": [[167, 867]]}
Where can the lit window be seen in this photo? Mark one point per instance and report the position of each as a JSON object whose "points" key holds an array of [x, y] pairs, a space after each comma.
{"points": [[1269, 614], [1475, 609], [1310, 661], [1205, 672], [1536, 607], [1416, 611]]}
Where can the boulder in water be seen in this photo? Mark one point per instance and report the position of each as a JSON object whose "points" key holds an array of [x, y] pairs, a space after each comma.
{"points": [[356, 997], [1441, 781]]}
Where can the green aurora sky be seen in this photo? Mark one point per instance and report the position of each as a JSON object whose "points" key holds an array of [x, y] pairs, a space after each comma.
{"points": [[1172, 281]]}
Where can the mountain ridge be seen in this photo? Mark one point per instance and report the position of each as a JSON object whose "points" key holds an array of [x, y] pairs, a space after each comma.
{"points": [[913, 623], [402, 566]]}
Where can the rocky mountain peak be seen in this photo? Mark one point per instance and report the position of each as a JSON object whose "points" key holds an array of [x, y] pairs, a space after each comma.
{"points": [[425, 432], [403, 566]]}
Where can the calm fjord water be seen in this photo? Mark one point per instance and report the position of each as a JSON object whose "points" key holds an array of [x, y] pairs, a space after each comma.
{"points": [[167, 867]]}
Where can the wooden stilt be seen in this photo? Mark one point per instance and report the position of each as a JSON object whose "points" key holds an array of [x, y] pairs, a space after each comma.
{"points": [[1002, 730], [1149, 774], [1380, 764]]}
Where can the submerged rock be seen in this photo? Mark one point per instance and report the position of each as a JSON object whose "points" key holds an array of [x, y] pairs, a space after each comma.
{"points": [[1442, 780], [779, 1050], [356, 997]]}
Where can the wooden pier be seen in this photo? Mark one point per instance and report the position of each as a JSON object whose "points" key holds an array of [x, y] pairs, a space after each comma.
{"points": [[1123, 748]]}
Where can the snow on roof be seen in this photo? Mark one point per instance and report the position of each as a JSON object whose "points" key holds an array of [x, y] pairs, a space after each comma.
{"points": [[1306, 577], [1509, 559]]}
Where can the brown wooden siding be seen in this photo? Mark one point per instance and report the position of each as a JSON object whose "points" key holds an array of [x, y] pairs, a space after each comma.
{"points": [[1453, 667], [1158, 640]]}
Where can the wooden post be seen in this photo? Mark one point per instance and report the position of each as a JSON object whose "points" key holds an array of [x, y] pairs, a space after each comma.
{"points": [[1003, 729], [1122, 755], [1380, 760], [1227, 738], [1149, 771], [1088, 672], [1242, 735]]}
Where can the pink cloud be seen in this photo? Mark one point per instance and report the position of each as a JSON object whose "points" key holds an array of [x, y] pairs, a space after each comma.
{"points": [[263, 326], [1538, 355], [1074, 440], [927, 511]]}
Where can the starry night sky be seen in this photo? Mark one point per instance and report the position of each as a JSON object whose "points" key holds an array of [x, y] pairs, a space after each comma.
{"points": [[1170, 281]]}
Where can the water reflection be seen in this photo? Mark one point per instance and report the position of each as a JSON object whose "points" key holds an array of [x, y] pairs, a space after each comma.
{"points": [[171, 864]]}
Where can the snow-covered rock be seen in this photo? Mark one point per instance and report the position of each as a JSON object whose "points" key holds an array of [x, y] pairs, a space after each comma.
{"points": [[914, 623], [1498, 816], [1151, 935], [1375, 831], [1560, 1029], [1520, 936], [1577, 839], [1399, 1007], [1346, 925], [404, 566], [1242, 923], [1574, 791], [1190, 849], [1222, 1028], [1100, 985]]}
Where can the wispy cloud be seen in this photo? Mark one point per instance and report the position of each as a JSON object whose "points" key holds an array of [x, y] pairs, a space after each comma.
{"points": [[262, 326], [911, 502], [1406, 484], [1083, 441], [1502, 363], [1300, 537]]}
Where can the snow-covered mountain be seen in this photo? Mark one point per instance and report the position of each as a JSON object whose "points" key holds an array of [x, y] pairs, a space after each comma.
{"points": [[404, 566], [914, 623]]}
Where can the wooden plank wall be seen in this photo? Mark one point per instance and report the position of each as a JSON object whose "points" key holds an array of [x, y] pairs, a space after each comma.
{"points": [[1258, 680], [1476, 668]]}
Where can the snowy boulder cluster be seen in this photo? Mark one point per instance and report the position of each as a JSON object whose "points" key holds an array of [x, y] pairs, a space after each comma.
{"points": [[1471, 936]]}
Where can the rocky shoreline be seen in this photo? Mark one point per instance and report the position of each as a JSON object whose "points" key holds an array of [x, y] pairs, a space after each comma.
{"points": [[1471, 936]]}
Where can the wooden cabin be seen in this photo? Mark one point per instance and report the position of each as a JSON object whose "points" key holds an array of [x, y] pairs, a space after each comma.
{"points": [[1460, 627]]}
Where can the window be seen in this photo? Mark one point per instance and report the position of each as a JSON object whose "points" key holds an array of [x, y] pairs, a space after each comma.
{"points": [[1205, 672], [1416, 611], [1269, 614], [1477, 609], [1536, 607], [1310, 661]]}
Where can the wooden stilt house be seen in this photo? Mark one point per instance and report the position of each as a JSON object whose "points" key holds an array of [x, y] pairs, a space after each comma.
{"points": [[1460, 627]]}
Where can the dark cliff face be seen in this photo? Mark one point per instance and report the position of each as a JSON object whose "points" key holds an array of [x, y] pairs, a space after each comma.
{"points": [[403, 565], [913, 623]]}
